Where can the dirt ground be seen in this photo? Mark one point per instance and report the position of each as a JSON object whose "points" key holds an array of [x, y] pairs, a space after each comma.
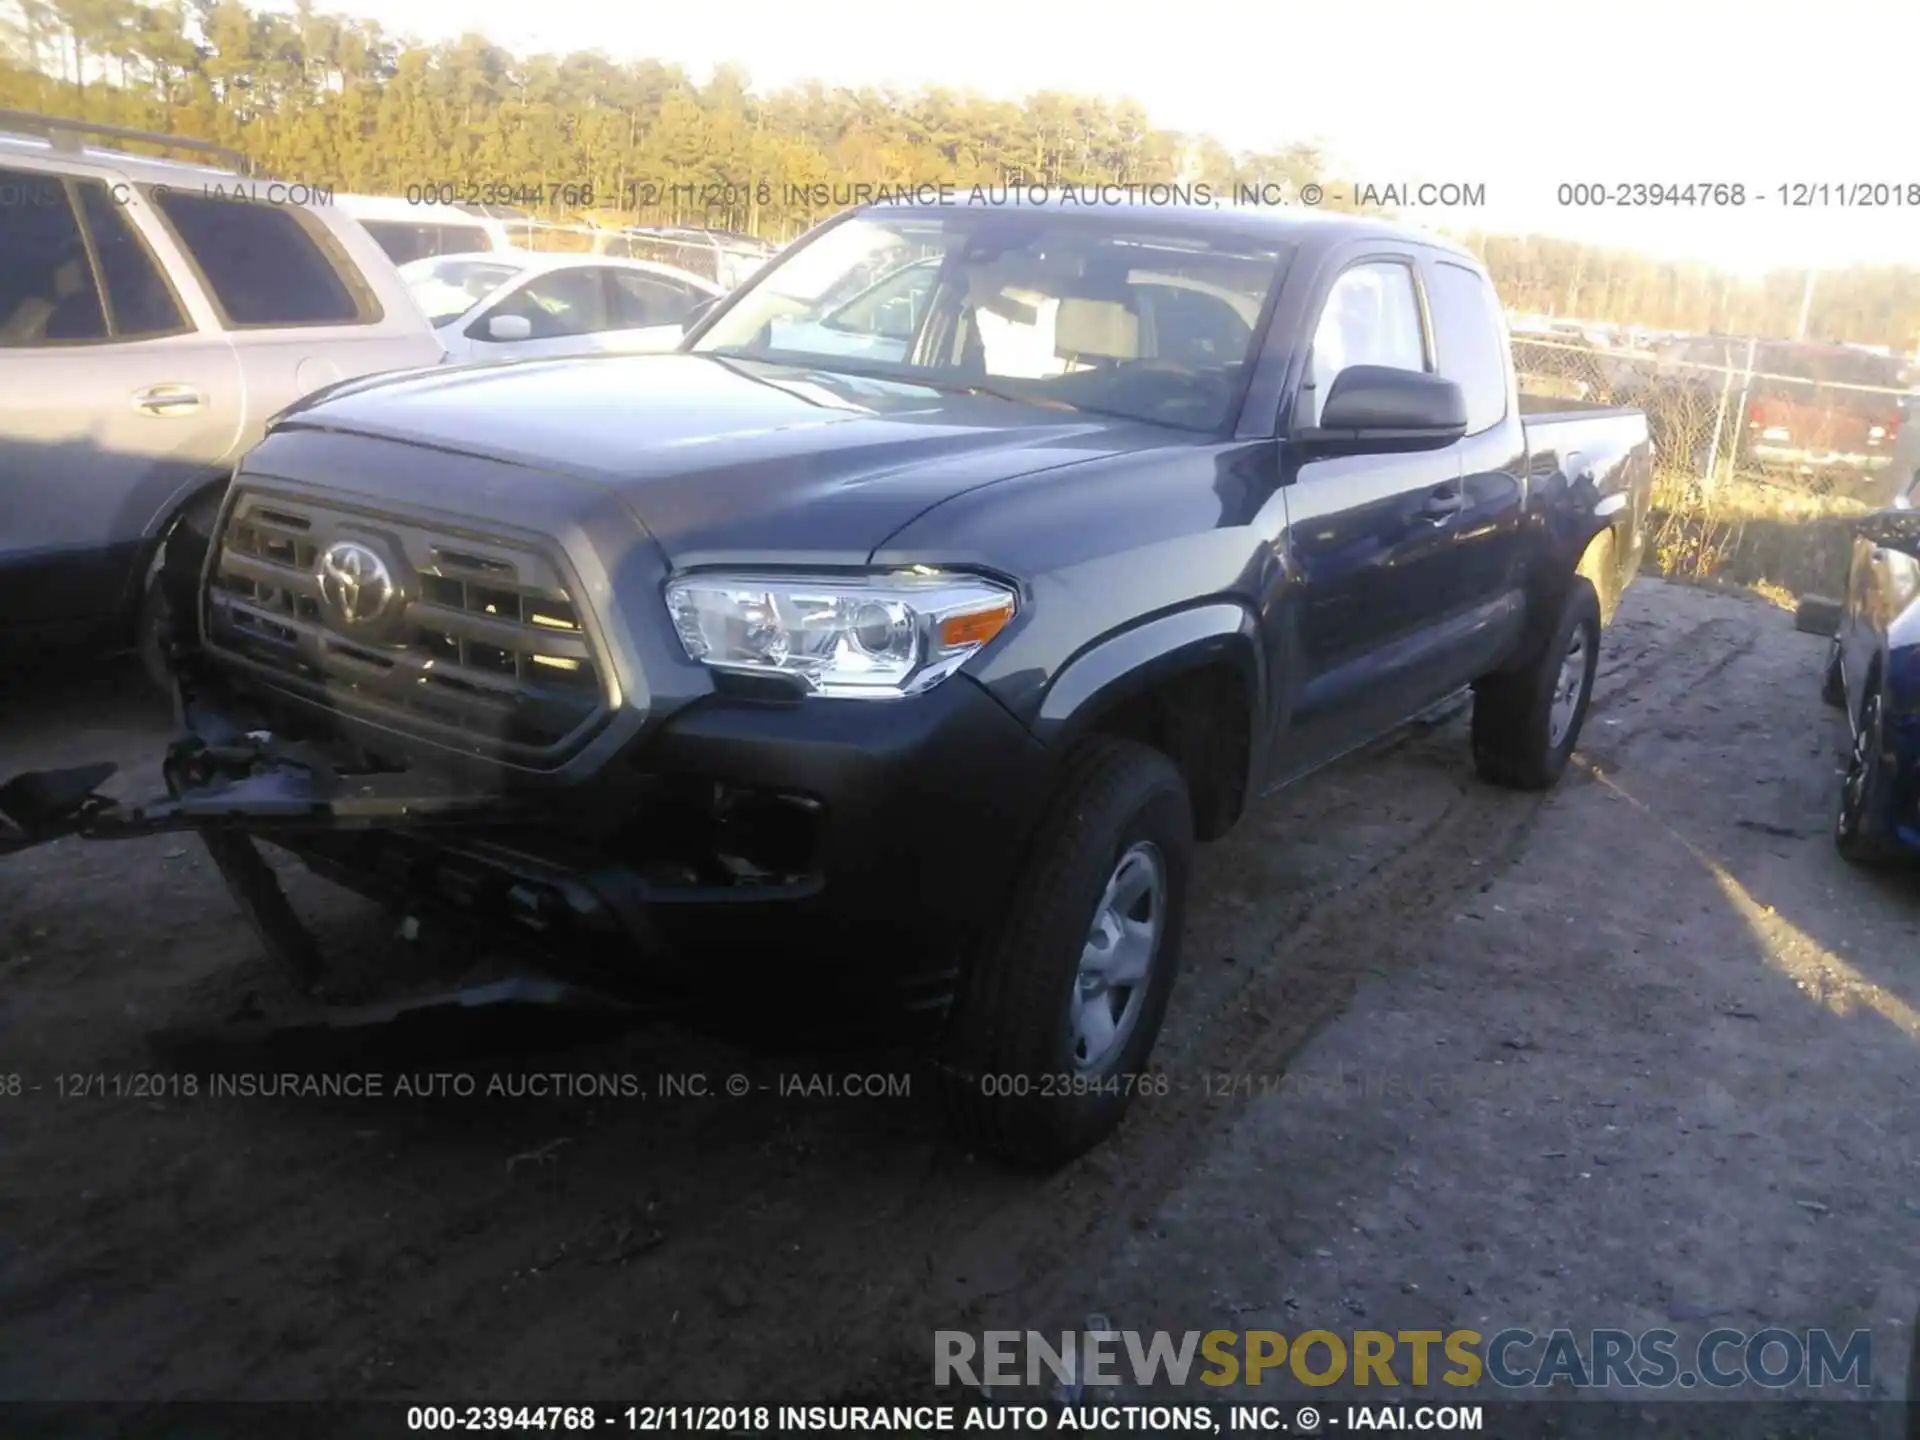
{"points": [[1638, 1053]]}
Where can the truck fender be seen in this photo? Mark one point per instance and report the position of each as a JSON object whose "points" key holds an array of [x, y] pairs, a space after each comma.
{"points": [[1101, 679], [1606, 551]]}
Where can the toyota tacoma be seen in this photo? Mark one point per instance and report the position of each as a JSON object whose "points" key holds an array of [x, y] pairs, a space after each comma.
{"points": [[901, 634]]}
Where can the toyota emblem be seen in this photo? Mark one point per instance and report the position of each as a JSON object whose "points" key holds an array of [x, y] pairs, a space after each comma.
{"points": [[355, 583]]}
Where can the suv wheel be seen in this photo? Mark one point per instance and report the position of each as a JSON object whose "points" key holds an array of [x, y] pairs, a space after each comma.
{"points": [[170, 586], [1054, 1022], [1526, 722]]}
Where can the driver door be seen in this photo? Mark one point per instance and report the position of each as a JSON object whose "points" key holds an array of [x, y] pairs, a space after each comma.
{"points": [[1370, 536]]}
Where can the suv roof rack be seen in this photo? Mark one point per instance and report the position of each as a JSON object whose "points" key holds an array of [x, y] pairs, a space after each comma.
{"points": [[70, 136]]}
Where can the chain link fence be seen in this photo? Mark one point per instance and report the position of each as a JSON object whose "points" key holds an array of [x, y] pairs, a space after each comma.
{"points": [[719, 256], [1764, 450], [1802, 418]]}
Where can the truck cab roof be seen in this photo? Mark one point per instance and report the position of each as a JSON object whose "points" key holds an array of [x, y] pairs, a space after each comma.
{"points": [[1301, 226]]}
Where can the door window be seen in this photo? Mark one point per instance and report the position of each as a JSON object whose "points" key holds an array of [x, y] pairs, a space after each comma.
{"points": [[1372, 317], [557, 305], [47, 291], [266, 265], [641, 300], [140, 303]]}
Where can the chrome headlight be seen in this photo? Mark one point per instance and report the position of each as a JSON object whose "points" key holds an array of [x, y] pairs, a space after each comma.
{"points": [[873, 637]]}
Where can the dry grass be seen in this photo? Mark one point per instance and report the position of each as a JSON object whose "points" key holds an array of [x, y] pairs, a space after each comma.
{"points": [[1780, 538], [1778, 543]]}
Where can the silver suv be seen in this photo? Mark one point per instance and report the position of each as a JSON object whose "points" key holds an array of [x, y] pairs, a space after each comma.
{"points": [[154, 315]]}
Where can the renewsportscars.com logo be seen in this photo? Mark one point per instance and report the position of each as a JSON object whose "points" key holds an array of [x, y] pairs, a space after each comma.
{"points": [[1513, 1359]]}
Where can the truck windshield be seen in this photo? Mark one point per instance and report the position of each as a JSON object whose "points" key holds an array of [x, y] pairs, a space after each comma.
{"points": [[1105, 313]]}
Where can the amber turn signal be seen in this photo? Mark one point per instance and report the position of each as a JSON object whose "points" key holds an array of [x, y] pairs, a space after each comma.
{"points": [[976, 627]]}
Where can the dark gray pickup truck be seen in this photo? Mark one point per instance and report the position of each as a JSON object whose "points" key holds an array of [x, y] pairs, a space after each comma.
{"points": [[898, 638]]}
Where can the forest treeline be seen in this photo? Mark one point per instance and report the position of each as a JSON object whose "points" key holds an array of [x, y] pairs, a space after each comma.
{"points": [[336, 100]]}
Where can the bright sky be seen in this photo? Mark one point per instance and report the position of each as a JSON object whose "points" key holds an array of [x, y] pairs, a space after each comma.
{"points": [[1517, 94]]}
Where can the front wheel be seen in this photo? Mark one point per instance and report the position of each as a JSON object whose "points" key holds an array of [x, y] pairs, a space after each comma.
{"points": [[1526, 722], [1054, 1022], [1833, 682], [1860, 819]]}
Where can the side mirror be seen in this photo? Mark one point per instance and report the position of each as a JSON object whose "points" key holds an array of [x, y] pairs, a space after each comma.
{"points": [[509, 328], [1894, 528], [694, 316], [1376, 408]]}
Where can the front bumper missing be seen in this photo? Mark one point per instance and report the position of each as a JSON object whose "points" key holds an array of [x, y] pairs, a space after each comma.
{"points": [[229, 786]]}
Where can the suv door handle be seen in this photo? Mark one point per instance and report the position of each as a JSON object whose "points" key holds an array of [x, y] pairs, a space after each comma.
{"points": [[168, 400]]}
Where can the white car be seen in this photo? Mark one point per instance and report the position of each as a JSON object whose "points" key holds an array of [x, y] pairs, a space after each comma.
{"points": [[411, 230], [517, 305]]}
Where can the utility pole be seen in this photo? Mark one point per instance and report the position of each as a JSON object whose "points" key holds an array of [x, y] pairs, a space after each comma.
{"points": [[1806, 308]]}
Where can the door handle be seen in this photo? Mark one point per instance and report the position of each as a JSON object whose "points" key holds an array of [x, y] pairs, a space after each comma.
{"points": [[168, 400]]}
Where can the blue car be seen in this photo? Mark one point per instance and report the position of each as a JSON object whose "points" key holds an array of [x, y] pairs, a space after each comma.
{"points": [[1873, 673]]}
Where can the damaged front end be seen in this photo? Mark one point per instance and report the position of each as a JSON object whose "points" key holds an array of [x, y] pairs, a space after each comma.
{"points": [[432, 846], [229, 781], [520, 874]]}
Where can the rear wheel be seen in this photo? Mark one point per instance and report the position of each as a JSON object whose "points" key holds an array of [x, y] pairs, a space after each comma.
{"points": [[1055, 1021], [1526, 722]]}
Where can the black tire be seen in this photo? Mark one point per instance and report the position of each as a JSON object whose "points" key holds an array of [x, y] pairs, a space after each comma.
{"points": [[1860, 817], [152, 629], [1011, 1075], [1514, 739], [170, 587], [1833, 685]]}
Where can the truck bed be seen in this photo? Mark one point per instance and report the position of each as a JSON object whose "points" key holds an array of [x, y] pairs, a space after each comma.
{"points": [[1558, 407]]}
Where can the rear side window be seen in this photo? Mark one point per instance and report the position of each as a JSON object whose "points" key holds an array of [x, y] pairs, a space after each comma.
{"points": [[140, 302], [1471, 350], [47, 293], [266, 265]]}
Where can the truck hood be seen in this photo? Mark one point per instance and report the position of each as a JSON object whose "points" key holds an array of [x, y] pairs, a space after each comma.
{"points": [[724, 460]]}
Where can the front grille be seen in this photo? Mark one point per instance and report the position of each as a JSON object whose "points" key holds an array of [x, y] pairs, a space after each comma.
{"points": [[484, 646]]}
